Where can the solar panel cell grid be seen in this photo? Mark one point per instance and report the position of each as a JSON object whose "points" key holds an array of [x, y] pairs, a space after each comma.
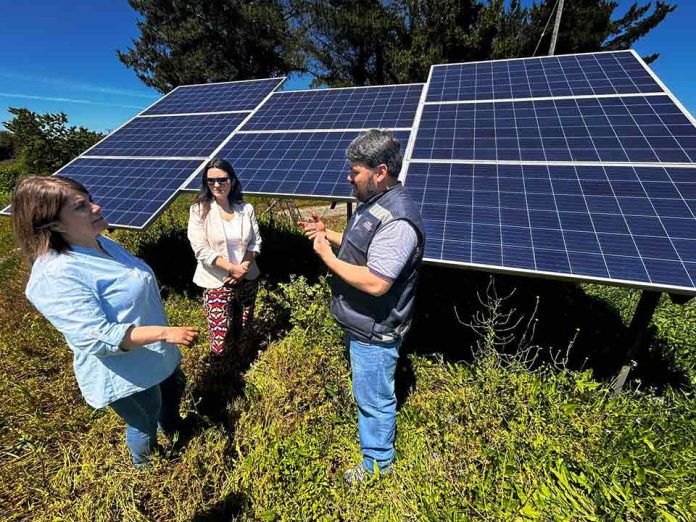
{"points": [[573, 75], [371, 107], [562, 220], [622, 129], [169, 136], [233, 96], [300, 163], [131, 192]]}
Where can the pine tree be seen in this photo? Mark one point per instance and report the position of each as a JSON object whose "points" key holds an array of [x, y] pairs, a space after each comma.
{"points": [[197, 41]]}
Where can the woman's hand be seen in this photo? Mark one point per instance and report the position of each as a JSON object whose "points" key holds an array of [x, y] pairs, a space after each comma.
{"points": [[180, 334], [237, 271]]}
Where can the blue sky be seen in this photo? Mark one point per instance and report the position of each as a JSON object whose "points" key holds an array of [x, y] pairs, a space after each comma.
{"points": [[60, 55]]}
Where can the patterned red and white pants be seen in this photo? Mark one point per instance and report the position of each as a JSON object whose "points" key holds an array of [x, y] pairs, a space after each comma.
{"points": [[230, 312]]}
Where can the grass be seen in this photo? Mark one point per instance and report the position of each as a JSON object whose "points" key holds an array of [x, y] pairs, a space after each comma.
{"points": [[493, 437]]}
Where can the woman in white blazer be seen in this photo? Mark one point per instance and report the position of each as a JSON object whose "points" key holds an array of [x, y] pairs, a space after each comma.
{"points": [[224, 235]]}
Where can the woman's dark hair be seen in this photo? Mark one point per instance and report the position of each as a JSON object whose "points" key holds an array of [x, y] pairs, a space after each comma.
{"points": [[205, 196], [36, 205]]}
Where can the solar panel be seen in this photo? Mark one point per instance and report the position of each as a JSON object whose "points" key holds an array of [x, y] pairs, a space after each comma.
{"points": [[618, 129], [131, 192], [215, 97], [572, 75], [351, 108], [151, 158], [621, 223], [171, 136], [293, 163], [591, 177], [296, 143], [138, 169]]}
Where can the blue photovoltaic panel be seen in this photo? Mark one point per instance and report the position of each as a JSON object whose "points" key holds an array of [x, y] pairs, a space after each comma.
{"points": [[358, 108], [130, 191], [298, 163], [634, 129], [573, 75], [167, 136], [216, 97], [630, 224]]}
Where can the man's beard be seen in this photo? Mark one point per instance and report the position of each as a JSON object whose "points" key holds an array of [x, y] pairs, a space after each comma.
{"points": [[370, 190]]}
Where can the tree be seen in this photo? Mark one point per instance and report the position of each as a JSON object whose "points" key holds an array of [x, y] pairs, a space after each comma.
{"points": [[592, 25], [347, 42], [44, 142], [6, 145], [364, 42], [186, 41]]}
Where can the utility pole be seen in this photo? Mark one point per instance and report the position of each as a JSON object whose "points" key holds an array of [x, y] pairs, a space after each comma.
{"points": [[556, 26]]}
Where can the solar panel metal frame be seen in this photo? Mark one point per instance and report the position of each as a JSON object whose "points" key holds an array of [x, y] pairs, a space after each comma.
{"points": [[203, 159], [240, 130], [546, 274]]}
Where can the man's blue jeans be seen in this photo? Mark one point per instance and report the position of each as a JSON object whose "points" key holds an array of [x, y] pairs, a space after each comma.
{"points": [[373, 367], [144, 410]]}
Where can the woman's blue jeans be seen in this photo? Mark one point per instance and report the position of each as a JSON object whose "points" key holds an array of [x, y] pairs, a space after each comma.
{"points": [[144, 410], [373, 367]]}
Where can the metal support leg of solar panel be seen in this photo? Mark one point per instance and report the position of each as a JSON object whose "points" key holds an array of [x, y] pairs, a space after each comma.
{"points": [[638, 329]]}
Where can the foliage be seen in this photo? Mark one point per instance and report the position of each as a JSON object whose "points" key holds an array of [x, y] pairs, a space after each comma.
{"points": [[592, 25], [7, 145], [183, 42], [45, 142], [490, 441], [9, 175], [494, 439], [674, 324], [373, 42], [348, 42], [362, 42]]}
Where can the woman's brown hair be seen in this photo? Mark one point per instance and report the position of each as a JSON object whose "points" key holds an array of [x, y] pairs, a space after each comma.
{"points": [[36, 205]]}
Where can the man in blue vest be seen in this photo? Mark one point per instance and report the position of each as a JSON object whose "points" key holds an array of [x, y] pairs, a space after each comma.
{"points": [[374, 285]]}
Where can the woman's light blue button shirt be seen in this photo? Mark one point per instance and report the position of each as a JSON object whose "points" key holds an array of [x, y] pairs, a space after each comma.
{"points": [[93, 299]]}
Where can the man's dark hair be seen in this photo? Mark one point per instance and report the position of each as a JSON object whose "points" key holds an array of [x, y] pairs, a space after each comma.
{"points": [[376, 147]]}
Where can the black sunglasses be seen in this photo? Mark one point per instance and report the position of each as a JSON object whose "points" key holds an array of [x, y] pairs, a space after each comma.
{"points": [[221, 181]]}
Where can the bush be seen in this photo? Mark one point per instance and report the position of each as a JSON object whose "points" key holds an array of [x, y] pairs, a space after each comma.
{"points": [[490, 440], [9, 176]]}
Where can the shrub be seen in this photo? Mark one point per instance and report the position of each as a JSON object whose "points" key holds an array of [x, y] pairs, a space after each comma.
{"points": [[9, 176]]}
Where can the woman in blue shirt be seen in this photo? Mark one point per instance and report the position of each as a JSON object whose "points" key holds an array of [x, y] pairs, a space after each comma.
{"points": [[106, 303]]}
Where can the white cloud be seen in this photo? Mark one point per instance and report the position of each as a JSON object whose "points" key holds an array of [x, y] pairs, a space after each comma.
{"points": [[67, 100]]}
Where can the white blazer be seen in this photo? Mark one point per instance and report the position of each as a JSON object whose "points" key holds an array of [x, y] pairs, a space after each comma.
{"points": [[207, 237]]}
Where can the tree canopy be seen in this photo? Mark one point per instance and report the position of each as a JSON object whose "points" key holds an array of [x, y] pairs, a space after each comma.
{"points": [[185, 42], [363, 42], [45, 142]]}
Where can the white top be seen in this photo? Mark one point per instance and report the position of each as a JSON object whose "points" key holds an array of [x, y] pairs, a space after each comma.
{"points": [[233, 235], [209, 241]]}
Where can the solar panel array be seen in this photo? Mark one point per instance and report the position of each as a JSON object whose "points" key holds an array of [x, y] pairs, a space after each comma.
{"points": [[579, 167], [137, 170], [296, 143]]}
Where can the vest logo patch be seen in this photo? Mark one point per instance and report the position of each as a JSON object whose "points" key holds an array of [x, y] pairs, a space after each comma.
{"points": [[367, 225]]}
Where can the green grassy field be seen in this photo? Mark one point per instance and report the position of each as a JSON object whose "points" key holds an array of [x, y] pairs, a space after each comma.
{"points": [[486, 431]]}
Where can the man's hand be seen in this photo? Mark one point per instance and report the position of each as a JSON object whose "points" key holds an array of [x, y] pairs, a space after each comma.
{"points": [[322, 247], [311, 228], [180, 334]]}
